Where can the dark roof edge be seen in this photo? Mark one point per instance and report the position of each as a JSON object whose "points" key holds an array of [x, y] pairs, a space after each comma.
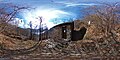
{"points": [[66, 23]]}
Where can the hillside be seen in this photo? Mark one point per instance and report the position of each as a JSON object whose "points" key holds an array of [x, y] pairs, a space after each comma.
{"points": [[86, 30], [9, 43], [91, 46]]}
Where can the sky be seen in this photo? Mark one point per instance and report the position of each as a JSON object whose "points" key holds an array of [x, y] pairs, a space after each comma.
{"points": [[51, 10]]}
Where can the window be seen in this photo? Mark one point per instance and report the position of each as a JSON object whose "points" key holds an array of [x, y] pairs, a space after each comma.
{"points": [[64, 32]]}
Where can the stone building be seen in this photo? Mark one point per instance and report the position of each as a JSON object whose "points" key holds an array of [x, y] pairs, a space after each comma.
{"points": [[70, 31], [61, 31]]}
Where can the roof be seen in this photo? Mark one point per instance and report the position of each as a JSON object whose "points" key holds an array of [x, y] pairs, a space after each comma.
{"points": [[62, 24], [66, 23]]}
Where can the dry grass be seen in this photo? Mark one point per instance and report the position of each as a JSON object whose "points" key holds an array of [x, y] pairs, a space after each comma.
{"points": [[11, 43]]}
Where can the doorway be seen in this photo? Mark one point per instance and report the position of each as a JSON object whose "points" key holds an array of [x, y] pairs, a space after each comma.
{"points": [[79, 35]]}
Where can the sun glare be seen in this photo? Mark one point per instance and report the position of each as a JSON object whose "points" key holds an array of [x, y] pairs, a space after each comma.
{"points": [[46, 14]]}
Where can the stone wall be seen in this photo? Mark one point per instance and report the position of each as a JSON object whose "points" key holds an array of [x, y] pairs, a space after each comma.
{"points": [[56, 33]]}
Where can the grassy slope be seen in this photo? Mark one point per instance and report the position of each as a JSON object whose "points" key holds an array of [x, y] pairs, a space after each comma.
{"points": [[12, 43]]}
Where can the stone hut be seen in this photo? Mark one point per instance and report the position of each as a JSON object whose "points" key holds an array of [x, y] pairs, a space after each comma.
{"points": [[70, 31], [61, 31]]}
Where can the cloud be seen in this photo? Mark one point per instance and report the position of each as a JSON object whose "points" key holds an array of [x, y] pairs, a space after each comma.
{"points": [[80, 4], [17, 22], [88, 1], [72, 4], [47, 15]]}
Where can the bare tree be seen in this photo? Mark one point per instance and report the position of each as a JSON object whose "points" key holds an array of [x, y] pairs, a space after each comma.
{"points": [[30, 24], [26, 50], [40, 27], [106, 17], [8, 13]]}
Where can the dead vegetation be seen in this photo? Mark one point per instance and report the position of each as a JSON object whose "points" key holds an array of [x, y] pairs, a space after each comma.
{"points": [[102, 39]]}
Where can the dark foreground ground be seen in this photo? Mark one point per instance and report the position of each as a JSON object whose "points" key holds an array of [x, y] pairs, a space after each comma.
{"points": [[62, 53], [62, 50], [46, 56]]}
